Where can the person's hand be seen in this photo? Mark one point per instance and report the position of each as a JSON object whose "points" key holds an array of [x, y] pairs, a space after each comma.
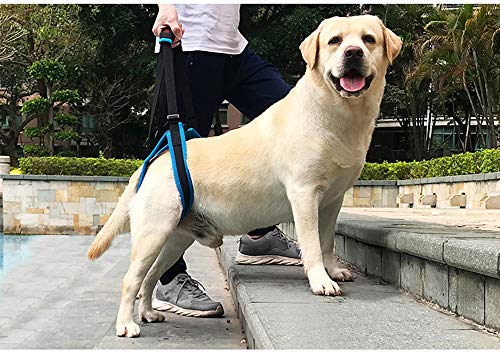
{"points": [[167, 16]]}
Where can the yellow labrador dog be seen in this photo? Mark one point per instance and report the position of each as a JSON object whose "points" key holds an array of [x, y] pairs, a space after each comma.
{"points": [[292, 163]]}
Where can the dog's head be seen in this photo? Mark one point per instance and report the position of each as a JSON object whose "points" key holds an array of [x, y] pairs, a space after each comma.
{"points": [[351, 53]]}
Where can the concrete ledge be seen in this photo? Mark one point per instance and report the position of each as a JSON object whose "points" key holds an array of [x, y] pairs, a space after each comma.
{"points": [[458, 270], [66, 178], [475, 251], [278, 311]]}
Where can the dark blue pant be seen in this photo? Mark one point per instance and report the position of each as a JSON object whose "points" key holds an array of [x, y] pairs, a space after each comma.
{"points": [[245, 80]]}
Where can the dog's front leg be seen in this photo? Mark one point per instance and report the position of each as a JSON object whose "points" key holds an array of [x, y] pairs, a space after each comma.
{"points": [[327, 220], [305, 203]]}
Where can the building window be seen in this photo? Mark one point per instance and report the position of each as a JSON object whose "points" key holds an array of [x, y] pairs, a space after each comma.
{"points": [[88, 123]]}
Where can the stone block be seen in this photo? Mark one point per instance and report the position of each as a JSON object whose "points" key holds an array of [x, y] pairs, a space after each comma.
{"points": [[428, 199], [103, 219], [104, 186], [436, 283], [46, 195], [373, 257], [351, 249], [457, 200], [36, 211], [490, 201], [470, 296], [28, 219], [61, 195], [452, 289], [96, 220], [107, 196], [389, 196], [11, 207], [362, 192], [429, 248], [348, 200], [361, 202], [492, 303], [85, 220], [479, 256], [72, 208], [58, 185], [339, 245], [60, 222], [412, 269], [81, 189], [92, 206], [405, 198], [361, 256], [391, 267]]}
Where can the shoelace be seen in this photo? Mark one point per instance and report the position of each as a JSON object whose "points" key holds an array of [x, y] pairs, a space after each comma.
{"points": [[195, 286], [278, 233]]}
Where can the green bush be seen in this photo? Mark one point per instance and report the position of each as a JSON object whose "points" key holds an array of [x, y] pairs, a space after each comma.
{"points": [[55, 165], [66, 153], [35, 150], [65, 119], [69, 96], [66, 135], [35, 106], [483, 161]]}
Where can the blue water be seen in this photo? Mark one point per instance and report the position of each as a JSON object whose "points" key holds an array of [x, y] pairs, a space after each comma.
{"points": [[14, 250]]}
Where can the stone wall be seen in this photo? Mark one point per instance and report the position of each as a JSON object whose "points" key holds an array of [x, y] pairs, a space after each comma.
{"points": [[80, 205], [473, 189], [58, 204]]}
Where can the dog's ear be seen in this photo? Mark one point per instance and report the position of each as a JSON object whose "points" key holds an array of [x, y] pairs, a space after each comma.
{"points": [[309, 47], [393, 43]]}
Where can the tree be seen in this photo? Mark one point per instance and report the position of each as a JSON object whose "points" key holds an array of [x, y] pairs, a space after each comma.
{"points": [[48, 38], [458, 56]]}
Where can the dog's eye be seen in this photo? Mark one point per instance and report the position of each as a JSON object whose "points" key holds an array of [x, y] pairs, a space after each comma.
{"points": [[335, 40], [369, 39]]}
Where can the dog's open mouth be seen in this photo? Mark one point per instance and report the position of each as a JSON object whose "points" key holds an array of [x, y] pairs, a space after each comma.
{"points": [[352, 82]]}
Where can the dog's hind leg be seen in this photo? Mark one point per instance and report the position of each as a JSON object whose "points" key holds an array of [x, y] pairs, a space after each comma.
{"points": [[151, 229], [327, 220], [170, 253]]}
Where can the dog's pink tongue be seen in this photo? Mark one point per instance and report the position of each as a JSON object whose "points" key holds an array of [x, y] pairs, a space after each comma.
{"points": [[352, 83]]}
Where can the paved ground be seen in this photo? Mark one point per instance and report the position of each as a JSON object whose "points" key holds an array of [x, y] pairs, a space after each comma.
{"points": [[280, 312], [475, 219], [52, 297]]}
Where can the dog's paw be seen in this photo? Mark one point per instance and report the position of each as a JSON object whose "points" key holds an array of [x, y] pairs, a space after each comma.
{"points": [[128, 329], [340, 274], [322, 284], [152, 316]]}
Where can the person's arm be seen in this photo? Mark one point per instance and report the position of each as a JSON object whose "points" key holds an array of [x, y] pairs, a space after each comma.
{"points": [[167, 16]]}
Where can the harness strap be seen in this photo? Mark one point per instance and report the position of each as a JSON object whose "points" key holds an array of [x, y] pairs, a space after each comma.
{"points": [[174, 138]]}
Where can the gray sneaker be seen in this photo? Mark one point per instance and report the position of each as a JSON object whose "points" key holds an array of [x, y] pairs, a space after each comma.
{"points": [[184, 296], [273, 248]]}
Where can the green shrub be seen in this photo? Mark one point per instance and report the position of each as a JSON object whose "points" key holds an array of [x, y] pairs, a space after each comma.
{"points": [[35, 150], [66, 153], [65, 119], [35, 106], [66, 135], [69, 96], [483, 161], [35, 132], [54, 165]]}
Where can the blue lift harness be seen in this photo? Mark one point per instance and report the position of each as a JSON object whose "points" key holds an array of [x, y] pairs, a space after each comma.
{"points": [[174, 139]]}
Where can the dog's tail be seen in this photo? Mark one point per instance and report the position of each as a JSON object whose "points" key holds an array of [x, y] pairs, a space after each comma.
{"points": [[117, 222]]}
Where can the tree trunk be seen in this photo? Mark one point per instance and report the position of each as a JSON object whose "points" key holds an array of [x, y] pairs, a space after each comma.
{"points": [[50, 122], [11, 150]]}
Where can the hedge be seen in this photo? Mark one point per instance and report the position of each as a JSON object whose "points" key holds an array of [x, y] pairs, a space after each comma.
{"points": [[483, 161], [56, 165]]}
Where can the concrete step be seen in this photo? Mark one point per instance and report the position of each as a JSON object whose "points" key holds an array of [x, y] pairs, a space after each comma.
{"points": [[278, 311], [451, 257]]}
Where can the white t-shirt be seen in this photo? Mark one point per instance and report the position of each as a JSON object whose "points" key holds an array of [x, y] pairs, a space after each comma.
{"points": [[210, 28]]}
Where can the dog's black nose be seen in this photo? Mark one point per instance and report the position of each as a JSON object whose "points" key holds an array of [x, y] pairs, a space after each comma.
{"points": [[353, 52]]}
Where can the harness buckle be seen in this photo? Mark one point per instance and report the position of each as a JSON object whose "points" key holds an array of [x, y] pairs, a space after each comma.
{"points": [[171, 119]]}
